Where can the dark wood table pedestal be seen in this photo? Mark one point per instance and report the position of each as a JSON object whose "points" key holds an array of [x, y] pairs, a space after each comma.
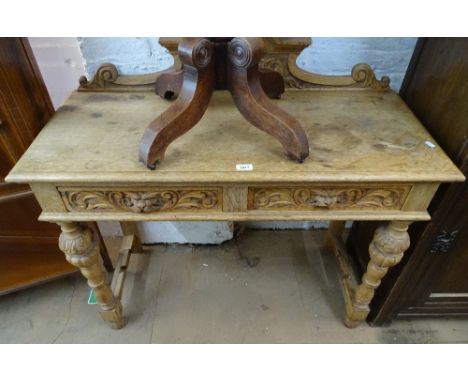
{"points": [[217, 64]]}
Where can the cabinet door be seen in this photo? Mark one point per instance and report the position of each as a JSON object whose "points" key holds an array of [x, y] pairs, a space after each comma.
{"points": [[431, 280]]}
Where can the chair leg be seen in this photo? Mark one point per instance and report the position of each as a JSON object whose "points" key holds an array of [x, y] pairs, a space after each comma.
{"points": [[246, 89], [197, 88]]}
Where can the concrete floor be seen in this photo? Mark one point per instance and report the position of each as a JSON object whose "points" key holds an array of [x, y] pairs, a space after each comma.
{"points": [[209, 294]]}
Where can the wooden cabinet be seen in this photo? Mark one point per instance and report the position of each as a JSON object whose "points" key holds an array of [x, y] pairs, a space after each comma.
{"points": [[432, 279], [28, 248]]}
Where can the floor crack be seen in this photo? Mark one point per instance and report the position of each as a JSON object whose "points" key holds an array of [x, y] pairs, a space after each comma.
{"points": [[68, 315], [157, 297]]}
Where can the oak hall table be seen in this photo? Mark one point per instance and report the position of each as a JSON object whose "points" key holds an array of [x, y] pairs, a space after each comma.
{"points": [[370, 159]]}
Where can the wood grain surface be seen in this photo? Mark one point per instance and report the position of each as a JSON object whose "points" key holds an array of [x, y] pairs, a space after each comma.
{"points": [[355, 136]]}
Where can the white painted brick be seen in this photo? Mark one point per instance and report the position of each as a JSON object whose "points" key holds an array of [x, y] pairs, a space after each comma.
{"points": [[175, 232], [185, 232], [131, 55]]}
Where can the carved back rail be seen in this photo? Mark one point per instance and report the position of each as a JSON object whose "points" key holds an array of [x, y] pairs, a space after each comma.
{"points": [[281, 57]]}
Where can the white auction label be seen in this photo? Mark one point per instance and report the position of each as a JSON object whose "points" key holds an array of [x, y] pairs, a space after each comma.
{"points": [[430, 144], [244, 167]]}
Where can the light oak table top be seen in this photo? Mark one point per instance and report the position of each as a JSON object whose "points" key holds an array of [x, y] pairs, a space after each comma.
{"points": [[354, 136]]}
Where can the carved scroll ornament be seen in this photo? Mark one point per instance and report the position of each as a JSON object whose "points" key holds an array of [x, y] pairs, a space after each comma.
{"points": [[362, 76], [282, 58], [107, 78], [329, 198], [141, 201]]}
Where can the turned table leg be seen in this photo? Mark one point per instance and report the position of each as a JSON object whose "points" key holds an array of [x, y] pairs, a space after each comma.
{"points": [[386, 250], [82, 251]]}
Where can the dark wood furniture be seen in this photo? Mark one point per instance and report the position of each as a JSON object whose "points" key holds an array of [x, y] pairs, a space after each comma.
{"points": [[28, 248], [221, 63], [436, 89]]}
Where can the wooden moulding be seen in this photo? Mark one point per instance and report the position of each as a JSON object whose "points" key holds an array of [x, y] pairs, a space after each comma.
{"points": [[228, 177], [376, 215]]}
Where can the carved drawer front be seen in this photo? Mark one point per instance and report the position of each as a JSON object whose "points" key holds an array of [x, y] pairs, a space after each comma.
{"points": [[327, 197], [144, 200]]}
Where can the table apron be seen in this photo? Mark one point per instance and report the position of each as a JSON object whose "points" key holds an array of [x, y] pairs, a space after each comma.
{"points": [[238, 202]]}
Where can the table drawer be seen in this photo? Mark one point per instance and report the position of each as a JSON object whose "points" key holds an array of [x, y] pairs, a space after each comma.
{"points": [[142, 200], [210, 199], [328, 197]]}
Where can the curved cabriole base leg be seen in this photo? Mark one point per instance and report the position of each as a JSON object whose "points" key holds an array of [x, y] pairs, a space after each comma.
{"points": [[386, 250], [198, 84], [82, 251], [246, 89]]}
